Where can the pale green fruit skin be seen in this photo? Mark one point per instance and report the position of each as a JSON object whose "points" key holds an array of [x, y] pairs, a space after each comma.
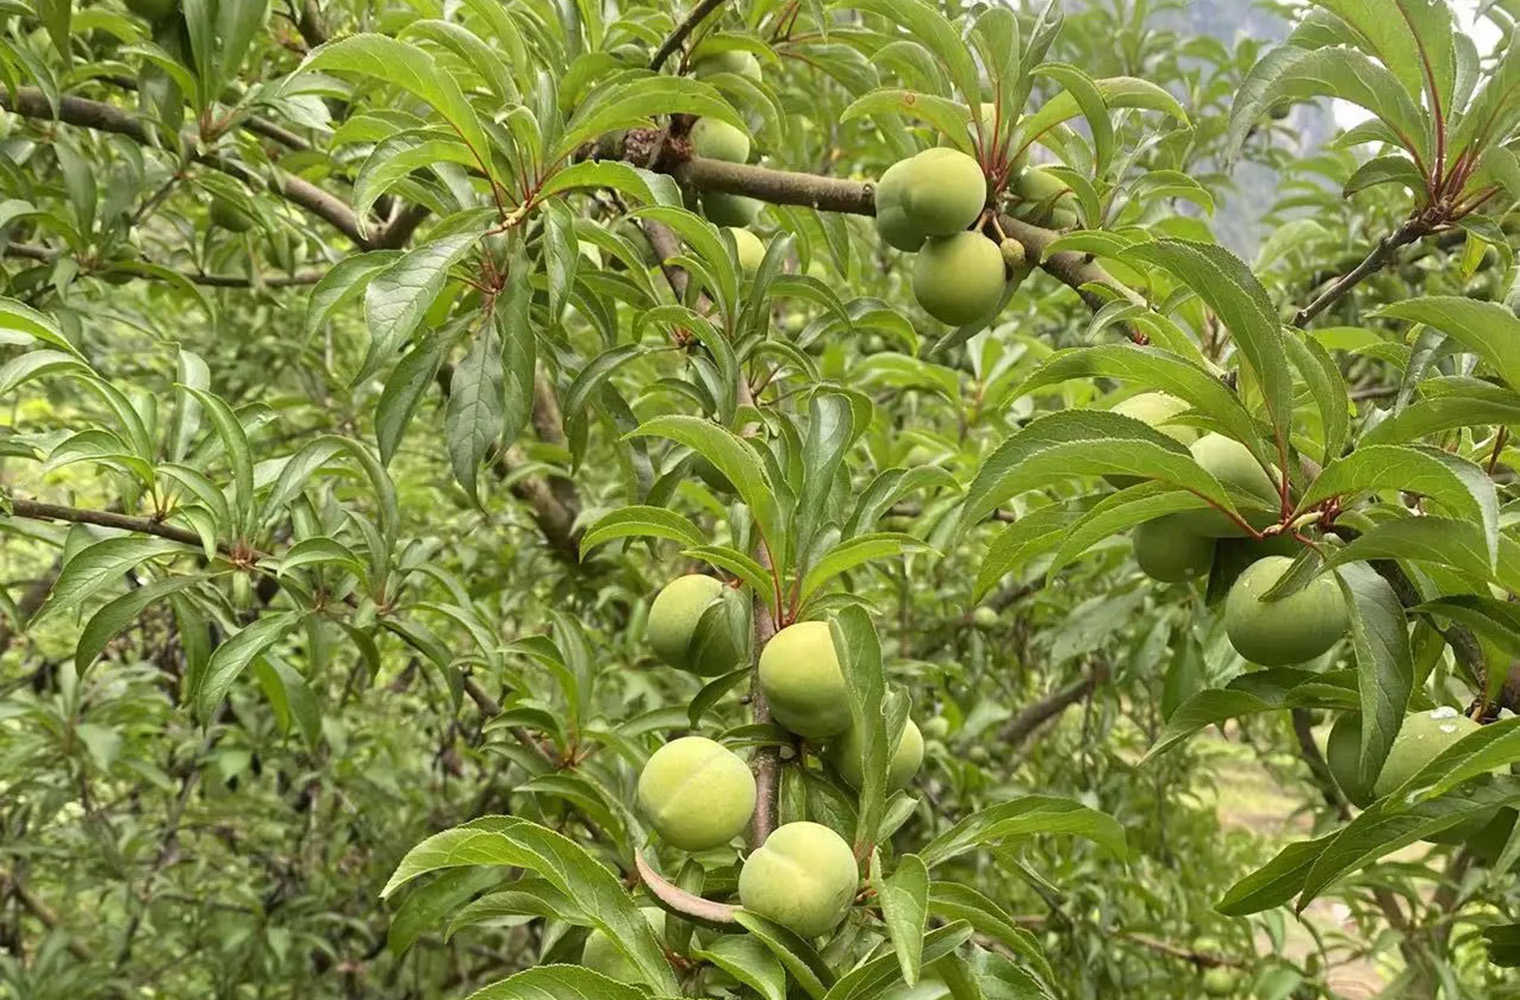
{"points": [[1169, 551], [1295, 629], [724, 209], [1422, 736], [674, 613], [696, 793], [1232, 463], [946, 190], [751, 249], [892, 221], [733, 61], [848, 758], [1343, 751], [718, 140], [984, 617], [1220, 982], [802, 682], [803, 877], [1035, 186], [1154, 409], [600, 955], [958, 279]]}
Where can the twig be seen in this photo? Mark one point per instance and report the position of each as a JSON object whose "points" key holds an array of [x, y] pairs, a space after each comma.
{"points": [[1412, 230], [1017, 729], [689, 24]]}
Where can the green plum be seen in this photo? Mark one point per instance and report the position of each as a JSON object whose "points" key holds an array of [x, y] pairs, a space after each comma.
{"points": [[958, 279], [230, 216], [724, 209], [802, 682], [718, 140], [673, 618], [1169, 551], [1292, 629], [750, 247], [732, 61], [697, 793], [1045, 199], [803, 877], [1232, 463], [848, 757], [599, 954], [1343, 752]]}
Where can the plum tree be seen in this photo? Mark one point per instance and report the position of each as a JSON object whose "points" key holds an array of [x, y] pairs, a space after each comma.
{"points": [[600, 954], [1292, 629], [958, 279], [697, 793], [718, 140], [802, 683], [1232, 463], [1168, 550], [673, 618], [750, 247], [1343, 751], [848, 757], [803, 877]]}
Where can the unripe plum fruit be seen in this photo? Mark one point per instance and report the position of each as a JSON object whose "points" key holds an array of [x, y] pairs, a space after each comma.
{"points": [[892, 221], [1343, 752], [945, 192], [1422, 736], [733, 61], [848, 757], [1293, 629], [229, 216], [718, 140], [1154, 409], [803, 877], [673, 618], [1047, 199], [1232, 463], [724, 209], [750, 247], [1220, 982], [984, 617], [958, 279], [1168, 550], [599, 954], [802, 682], [696, 793]]}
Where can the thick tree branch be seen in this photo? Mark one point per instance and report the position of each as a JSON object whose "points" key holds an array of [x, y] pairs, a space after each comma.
{"points": [[37, 511], [672, 44], [30, 102]]}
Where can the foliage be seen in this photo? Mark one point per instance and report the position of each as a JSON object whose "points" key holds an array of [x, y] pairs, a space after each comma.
{"points": [[369, 370]]}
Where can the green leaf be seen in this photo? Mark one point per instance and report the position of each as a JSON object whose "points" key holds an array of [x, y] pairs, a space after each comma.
{"points": [[904, 898], [643, 186], [1384, 662], [929, 28], [1040, 531], [949, 117], [1087, 96], [642, 521], [107, 623], [411, 69], [1447, 402], [1024, 816], [425, 907], [1459, 486], [1415, 43], [1393, 168], [344, 283], [1487, 329], [857, 551], [956, 901], [568, 867], [559, 982], [874, 976], [397, 299], [25, 367], [101, 564], [748, 960], [1439, 540], [802, 962], [1085, 442], [403, 392], [231, 658], [1225, 282], [635, 100], [229, 429], [859, 652], [1276, 882], [1116, 91], [473, 422]]}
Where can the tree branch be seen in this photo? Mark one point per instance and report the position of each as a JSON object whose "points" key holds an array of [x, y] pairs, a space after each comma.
{"points": [[29, 102], [1034, 715], [686, 27], [1412, 230], [38, 511]]}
